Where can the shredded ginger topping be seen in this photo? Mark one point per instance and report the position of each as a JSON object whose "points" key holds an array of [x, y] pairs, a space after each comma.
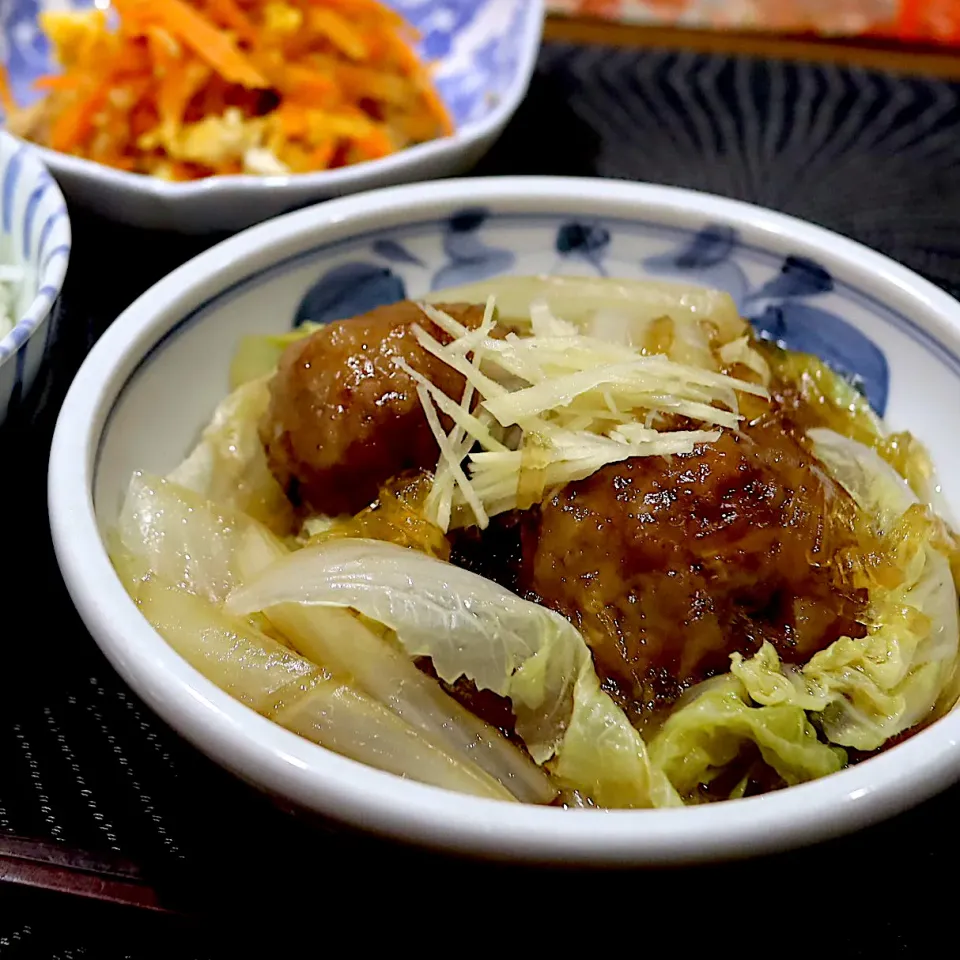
{"points": [[543, 410]]}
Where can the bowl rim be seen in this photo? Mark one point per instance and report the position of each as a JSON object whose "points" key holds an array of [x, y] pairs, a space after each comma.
{"points": [[339, 181], [259, 751], [52, 275]]}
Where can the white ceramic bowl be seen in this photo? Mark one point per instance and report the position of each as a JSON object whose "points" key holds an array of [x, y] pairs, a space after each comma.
{"points": [[35, 236], [484, 51], [153, 379]]}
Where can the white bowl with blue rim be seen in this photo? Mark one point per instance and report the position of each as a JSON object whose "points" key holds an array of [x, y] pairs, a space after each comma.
{"points": [[35, 241], [152, 381], [484, 51]]}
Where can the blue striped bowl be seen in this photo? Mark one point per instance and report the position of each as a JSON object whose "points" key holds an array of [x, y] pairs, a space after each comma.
{"points": [[35, 235]]}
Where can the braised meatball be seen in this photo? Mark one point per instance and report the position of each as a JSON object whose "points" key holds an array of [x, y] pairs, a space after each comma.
{"points": [[669, 565], [343, 418]]}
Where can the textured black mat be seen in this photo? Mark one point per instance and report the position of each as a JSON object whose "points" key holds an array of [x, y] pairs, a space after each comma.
{"points": [[83, 765]]}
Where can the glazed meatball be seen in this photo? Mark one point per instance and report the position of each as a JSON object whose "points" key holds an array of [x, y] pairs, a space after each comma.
{"points": [[669, 565], [343, 418]]}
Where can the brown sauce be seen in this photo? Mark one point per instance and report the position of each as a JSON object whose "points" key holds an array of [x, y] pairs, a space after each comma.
{"points": [[670, 565]]}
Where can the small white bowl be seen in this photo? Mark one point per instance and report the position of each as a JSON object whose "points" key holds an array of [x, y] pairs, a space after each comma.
{"points": [[35, 236], [484, 51], [155, 376]]}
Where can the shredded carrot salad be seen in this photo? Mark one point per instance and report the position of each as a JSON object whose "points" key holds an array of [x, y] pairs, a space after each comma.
{"points": [[184, 89]]}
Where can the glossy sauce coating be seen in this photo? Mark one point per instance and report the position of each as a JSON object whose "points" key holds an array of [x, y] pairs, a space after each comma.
{"points": [[669, 565], [344, 419]]}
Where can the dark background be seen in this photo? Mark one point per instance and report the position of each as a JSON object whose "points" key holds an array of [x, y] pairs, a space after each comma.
{"points": [[84, 765]]}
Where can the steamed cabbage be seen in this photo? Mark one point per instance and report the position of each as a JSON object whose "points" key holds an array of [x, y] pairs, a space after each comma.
{"points": [[228, 464], [257, 356], [297, 695], [348, 646], [180, 537], [622, 311], [846, 411], [179, 556], [860, 693], [872, 689], [698, 740], [471, 627]]}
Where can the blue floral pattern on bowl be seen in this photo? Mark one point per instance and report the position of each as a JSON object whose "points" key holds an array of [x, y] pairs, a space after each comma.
{"points": [[349, 290], [784, 308], [587, 242], [791, 300], [357, 287], [477, 46], [470, 258]]}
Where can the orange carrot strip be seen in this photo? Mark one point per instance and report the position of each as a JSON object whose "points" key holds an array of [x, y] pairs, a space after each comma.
{"points": [[74, 125], [378, 46], [339, 32], [59, 81], [230, 14], [129, 95], [143, 117], [201, 36], [351, 124], [293, 119], [131, 57], [410, 128], [134, 18], [409, 61], [358, 82], [6, 96], [164, 48], [360, 8], [310, 87], [438, 108], [321, 156], [406, 58], [270, 62], [184, 171], [177, 89], [375, 144]]}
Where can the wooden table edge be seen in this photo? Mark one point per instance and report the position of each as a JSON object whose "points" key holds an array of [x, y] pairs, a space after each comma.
{"points": [[869, 53]]}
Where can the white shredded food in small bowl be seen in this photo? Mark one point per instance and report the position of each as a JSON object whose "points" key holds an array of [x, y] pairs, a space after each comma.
{"points": [[11, 281]]}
